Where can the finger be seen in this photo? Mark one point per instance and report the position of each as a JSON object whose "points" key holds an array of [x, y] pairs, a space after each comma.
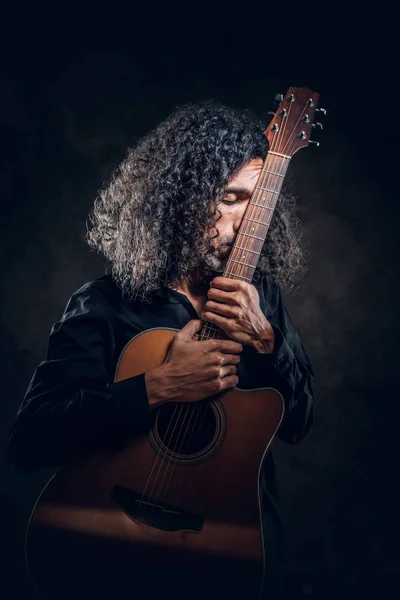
{"points": [[224, 283], [223, 296], [228, 370], [228, 347], [229, 382], [229, 359], [221, 309], [222, 322], [188, 331]]}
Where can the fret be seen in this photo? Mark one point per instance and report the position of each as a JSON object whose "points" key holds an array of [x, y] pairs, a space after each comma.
{"points": [[237, 276], [266, 189], [254, 221], [211, 335], [272, 173], [262, 206], [241, 263], [209, 329], [246, 249], [253, 236], [278, 154]]}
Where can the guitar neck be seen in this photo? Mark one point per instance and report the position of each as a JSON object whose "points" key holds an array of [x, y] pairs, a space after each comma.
{"points": [[288, 132]]}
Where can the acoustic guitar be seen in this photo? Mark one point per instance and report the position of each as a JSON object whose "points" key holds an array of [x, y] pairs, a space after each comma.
{"points": [[177, 513]]}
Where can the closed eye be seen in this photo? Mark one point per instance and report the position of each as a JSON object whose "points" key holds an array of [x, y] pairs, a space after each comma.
{"points": [[239, 193]]}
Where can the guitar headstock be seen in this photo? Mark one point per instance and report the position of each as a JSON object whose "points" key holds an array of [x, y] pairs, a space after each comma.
{"points": [[293, 121]]}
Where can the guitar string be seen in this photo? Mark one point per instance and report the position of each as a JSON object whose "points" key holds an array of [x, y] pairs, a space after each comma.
{"points": [[265, 181], [275, 143], [165, 482], [242, 267], [160, 457], [177, 420], [193, 408], [211, 332]]}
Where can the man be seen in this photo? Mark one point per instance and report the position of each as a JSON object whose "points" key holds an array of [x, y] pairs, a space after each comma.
{"points": [[166, 223]]}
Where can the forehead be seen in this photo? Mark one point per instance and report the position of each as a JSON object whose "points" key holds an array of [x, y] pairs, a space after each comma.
{"points": [[248, 174]]}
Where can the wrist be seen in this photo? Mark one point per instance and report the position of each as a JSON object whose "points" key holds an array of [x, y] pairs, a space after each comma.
{"points": [[265, 344], [156, 384]]}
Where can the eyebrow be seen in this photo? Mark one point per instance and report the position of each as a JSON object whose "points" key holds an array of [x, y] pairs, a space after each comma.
{"points": [[237, 190]]}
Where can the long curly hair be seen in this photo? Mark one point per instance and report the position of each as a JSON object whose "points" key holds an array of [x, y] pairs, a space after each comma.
{"points": [[151, 220]]}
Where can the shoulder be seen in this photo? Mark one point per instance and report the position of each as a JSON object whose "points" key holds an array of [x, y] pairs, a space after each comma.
{"points": [[93, 297], [86, 324]]}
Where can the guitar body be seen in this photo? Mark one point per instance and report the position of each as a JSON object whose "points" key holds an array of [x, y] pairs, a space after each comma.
{"points": [[176, 513]]}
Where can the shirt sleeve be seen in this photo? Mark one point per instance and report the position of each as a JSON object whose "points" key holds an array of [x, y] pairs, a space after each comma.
{"points": [[288, 370], [72, 404]]}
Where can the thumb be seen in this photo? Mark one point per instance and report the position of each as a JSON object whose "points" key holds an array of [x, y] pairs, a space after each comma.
{"points": [[191, 328]]}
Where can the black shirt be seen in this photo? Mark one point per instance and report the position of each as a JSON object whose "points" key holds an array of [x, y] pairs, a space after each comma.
{"points": [[73, 404]]}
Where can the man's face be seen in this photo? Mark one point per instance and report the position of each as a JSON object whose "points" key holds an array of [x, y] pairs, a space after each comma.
{"points": [[232, 208]]}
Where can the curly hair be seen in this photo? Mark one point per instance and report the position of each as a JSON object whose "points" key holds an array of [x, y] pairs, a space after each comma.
{"points": [[150, 220]]}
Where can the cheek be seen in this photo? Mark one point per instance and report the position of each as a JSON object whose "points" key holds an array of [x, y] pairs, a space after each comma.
{"points": [[221, 227], [226, 217]]}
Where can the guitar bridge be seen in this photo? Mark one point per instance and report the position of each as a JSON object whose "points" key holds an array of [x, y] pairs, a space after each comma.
{"points": [[150, 511]]}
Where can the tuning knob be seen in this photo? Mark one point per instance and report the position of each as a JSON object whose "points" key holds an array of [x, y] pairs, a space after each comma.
{"points": [[279, 98], [321, 110], [318, 125], [271, 112], [313, 142]]}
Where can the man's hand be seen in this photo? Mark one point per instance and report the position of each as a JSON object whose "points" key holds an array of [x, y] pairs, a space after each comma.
{"points": [[193, 370], [234, 306]]}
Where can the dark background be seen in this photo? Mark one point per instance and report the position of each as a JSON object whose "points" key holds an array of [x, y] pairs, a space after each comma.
{"points": [[78, 87]]}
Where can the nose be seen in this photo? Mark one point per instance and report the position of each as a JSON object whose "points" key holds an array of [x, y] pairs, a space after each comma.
{"points": [[238, 218]]}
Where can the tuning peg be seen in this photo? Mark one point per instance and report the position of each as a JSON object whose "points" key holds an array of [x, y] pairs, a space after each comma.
{"points": [[321, 110], [318, 125], [271, 112], [279, 98], [313, 142]]}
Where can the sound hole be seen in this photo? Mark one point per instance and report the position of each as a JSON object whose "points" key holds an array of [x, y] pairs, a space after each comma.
{"points": [[188, 430]]}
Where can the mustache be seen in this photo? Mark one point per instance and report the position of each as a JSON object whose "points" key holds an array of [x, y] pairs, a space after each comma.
{"points": [[229, 245]]}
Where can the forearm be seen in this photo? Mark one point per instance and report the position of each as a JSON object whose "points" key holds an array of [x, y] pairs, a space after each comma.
{"points": [[158, 386]]}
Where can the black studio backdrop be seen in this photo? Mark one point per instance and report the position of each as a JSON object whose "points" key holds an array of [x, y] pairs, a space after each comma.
{"points": [[74, 97]]}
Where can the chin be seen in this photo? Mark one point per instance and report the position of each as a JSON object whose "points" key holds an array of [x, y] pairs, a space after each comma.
{"points": [[216, 264]]}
